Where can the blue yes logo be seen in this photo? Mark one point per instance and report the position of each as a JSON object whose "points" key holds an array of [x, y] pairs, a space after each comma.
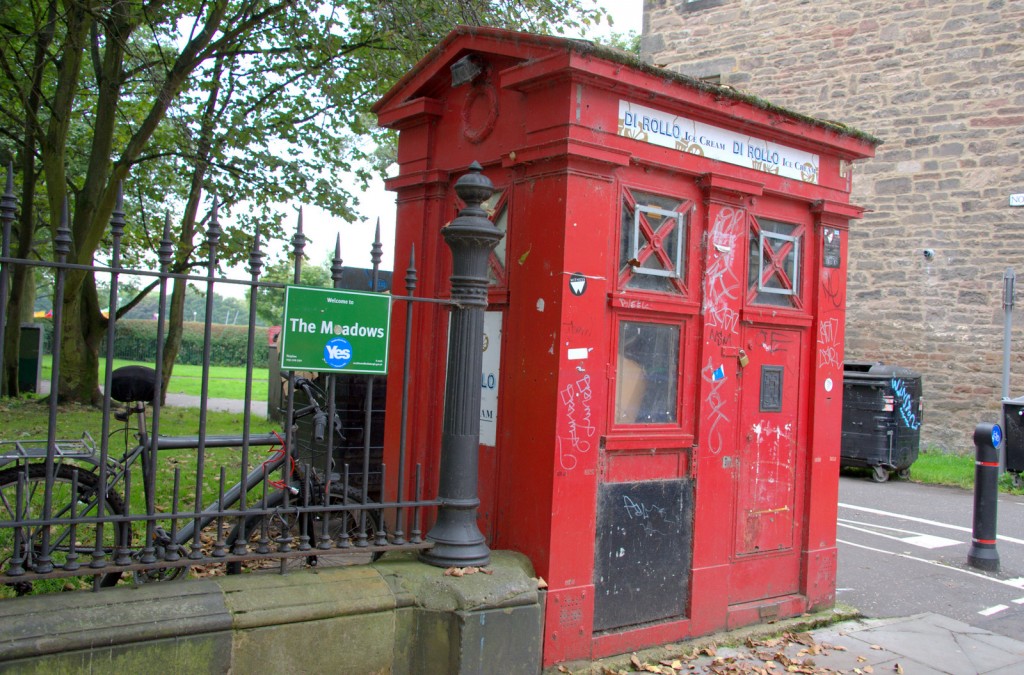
{"points": [[337, 352]]}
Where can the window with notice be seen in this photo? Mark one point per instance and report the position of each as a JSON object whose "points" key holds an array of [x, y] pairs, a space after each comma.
{"points": [[647, 377]]}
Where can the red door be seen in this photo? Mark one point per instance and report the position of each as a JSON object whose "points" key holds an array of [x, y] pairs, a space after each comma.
{"points": [[766, 561]]}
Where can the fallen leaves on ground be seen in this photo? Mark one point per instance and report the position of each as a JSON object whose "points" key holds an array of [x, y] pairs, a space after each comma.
{"points": [[767, 656], [466, 571]]}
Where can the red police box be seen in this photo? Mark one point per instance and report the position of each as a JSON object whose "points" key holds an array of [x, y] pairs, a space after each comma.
{"points": [[661, 409]]}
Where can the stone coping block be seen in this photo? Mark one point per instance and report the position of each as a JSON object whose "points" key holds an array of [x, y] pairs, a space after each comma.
{"points": [[508, 582], [134, 617]]}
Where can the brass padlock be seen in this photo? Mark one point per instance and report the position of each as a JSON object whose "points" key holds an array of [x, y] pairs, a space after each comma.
{"points": [[744, 359]]}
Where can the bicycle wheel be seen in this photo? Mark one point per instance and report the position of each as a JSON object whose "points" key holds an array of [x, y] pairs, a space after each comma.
{"points": [[62, 549], [345, 525], [341, 526]]}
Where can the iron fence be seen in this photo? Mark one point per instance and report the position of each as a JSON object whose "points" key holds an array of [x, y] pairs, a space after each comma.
{"points": [[160, 505]]}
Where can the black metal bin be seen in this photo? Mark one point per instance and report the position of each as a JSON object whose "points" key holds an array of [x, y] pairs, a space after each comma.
{"points": [[882, 411], [1013, 432]]}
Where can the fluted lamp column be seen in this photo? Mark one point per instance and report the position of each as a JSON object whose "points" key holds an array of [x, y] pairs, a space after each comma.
{"points": [[471, 236]]}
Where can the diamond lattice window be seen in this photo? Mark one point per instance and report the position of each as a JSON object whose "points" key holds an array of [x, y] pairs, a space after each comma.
{"points": [[773, 271], [652, 250]]}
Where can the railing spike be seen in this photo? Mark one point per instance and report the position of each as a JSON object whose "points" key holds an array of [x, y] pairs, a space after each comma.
{"points": [[410, 272], [256, 255], [9, 203], [117, 215], [62, 240], [298, 245], [376, 251], [214, 232], [337, 268], [299, 240], [166, 251]]}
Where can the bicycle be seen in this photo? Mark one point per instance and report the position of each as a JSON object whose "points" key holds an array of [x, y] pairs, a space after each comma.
{"points": [[314, 508]]}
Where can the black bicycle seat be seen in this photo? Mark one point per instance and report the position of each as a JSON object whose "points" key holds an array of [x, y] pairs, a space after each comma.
{"points": [[133, 383]]}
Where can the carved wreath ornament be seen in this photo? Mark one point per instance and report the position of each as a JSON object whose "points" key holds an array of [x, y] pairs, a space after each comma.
{"points": [[482, 98]]}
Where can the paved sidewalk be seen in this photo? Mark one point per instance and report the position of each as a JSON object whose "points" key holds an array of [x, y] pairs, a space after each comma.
{"points": [[916, 645], [258, 408], [925, 643]]}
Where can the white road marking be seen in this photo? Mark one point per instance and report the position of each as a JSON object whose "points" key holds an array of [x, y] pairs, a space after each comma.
{"points": [[1019, 601], [1003, 582], [928, 541], [993, 610], [915, 519]]}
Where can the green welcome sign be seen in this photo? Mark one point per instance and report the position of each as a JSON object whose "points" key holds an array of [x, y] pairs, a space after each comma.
{"points": [[333, 331]]}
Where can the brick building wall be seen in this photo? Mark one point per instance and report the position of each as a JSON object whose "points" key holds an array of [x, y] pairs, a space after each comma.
{"points": [[942, 84]]}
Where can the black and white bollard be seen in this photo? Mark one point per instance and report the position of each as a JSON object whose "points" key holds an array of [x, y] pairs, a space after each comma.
{"points": [[983, 554]]}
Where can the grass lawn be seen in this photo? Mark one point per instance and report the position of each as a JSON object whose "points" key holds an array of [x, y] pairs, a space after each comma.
{"points": [[940, 468], [225, 381]]}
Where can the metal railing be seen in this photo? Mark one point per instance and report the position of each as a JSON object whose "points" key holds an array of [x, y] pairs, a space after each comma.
{"points": [[81, 507]]}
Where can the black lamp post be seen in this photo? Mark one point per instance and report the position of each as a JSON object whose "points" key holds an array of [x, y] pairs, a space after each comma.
{"points": [[471, 236]]}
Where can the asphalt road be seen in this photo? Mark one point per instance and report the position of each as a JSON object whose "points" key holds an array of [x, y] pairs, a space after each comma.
{"points": [[903, 550]]}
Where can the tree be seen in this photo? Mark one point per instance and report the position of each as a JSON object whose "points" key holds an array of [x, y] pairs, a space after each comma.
{"points": [[270, 307], [252, 101]]}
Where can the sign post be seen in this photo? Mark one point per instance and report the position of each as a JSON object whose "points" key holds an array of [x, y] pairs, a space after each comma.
{"points": [[328, 330]]}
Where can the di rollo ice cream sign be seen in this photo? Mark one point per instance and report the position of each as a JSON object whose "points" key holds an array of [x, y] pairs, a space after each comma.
{"points": [[672, 131], [333, 331]]}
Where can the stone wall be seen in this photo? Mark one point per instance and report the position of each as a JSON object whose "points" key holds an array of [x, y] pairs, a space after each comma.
{"points": [[942, 83], [395, 616]]}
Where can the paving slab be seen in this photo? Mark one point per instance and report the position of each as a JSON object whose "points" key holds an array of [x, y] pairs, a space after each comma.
{"points": [[946, 644], [923, 644]]}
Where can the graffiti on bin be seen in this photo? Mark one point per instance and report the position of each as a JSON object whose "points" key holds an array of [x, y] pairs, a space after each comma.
{"points": [[906, 404]]}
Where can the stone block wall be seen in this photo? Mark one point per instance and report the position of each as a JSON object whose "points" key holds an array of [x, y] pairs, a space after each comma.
{"points": [[397, 616], [942, 84]]}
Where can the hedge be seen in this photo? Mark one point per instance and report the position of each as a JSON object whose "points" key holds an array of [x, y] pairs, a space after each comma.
{"points": [[135, 340]]}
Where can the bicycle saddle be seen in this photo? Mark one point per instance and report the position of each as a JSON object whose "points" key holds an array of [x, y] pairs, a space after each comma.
{"points": [[133, 383]]}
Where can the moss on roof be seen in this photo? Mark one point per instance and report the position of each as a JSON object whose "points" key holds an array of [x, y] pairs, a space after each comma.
{"points": [[631, 60]]}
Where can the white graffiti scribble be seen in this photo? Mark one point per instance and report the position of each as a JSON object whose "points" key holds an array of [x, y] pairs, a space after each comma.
{"points": [[634, 304], [767, 430], [639, 509], [715, 406], [720, 283], [829, 352], [772, 464], [576, 399]]}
